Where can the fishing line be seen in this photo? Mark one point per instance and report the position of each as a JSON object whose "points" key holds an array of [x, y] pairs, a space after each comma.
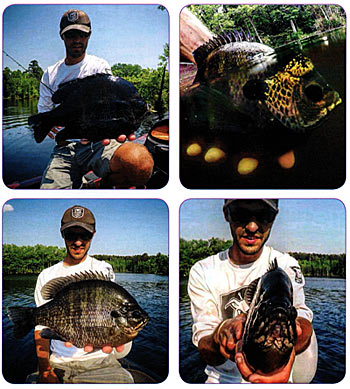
{"points": [[27, 70]]}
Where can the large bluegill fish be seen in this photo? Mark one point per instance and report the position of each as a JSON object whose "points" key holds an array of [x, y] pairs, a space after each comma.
{"points": [[242, 84], [85, 308], [270, 330], [96, 107]]}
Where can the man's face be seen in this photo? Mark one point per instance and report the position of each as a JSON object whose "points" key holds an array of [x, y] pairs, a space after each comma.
{"points": [[77, 242], [250, 223], [76, 42]]}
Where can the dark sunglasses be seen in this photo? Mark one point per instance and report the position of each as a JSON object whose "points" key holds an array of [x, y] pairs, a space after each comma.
{"points": [[244, 215], [73, 236], [73, 33]]}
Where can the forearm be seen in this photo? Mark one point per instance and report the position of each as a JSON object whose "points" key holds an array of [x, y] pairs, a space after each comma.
{"points": [[42, 347], [304, 339]]}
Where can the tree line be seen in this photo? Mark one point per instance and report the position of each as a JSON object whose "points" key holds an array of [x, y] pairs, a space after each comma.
{"points": [[34, 259], [152, 84], [273, 25], [312, 264]]}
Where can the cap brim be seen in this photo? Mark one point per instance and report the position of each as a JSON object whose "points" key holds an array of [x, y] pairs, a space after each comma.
{"points": [[80, 27], [87, 227]]}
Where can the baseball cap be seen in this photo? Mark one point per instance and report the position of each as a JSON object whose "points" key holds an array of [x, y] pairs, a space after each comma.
{"points": [[273, 203], [74, 19], [78, 216]]}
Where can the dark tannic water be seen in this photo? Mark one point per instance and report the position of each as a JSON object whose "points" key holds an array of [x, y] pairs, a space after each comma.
{"points": [[150, 348], [326, 298]]}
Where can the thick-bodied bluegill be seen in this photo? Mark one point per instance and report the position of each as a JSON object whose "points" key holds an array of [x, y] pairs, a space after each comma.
{"points": [[270, 330], [85, 308]]}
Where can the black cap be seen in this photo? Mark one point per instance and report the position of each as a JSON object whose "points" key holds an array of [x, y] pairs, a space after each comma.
{"points": [[74, 19], [272, 203], [78, 216]]}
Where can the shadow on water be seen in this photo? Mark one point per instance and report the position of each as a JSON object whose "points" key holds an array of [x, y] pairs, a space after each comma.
{"points": [[149, 352], [319, 153], [324, 296]]}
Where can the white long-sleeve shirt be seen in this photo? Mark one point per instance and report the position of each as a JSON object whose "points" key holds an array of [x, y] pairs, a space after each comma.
{"points": [[59, 352], [216, 288]]}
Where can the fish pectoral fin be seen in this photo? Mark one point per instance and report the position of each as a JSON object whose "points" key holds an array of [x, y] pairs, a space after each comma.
{"points": [[48, 333]]}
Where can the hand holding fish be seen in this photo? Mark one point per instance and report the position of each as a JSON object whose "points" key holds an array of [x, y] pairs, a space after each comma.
{"points": [[228, 333], [249, 375], [107, 349]]}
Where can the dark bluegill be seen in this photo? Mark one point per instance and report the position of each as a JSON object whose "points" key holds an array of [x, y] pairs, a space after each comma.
{"points": [[270, 330]]}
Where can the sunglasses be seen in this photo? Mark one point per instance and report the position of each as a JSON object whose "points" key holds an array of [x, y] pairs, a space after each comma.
{"points": [[73, 236], [243, 215], [72, 34]]}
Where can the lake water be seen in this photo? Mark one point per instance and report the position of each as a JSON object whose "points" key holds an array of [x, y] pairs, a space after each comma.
{"points": [[325, 297], [23, 158], [319, 154], [150, 348]]}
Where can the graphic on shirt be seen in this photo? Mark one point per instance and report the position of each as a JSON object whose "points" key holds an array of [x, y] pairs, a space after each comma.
{"points": [[298, 274], [232, 303]]}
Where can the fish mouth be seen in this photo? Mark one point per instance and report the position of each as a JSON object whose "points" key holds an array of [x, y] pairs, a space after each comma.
{"points": [[335, 101], [133, 331]]}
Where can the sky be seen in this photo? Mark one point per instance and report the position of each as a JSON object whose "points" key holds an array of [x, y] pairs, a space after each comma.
{"points": [[132, 34], [304, 225], [123, 227]]}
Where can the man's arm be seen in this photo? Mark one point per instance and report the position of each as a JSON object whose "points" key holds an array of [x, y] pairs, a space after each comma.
{"points": [[42, 347]]}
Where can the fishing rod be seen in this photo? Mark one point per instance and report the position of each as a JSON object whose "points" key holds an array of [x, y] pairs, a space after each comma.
{"points": [[27, 70]]}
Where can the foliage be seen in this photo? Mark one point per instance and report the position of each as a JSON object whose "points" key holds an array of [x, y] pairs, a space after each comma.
{"points": [[273, 25], [33, 259], [312, 265]]}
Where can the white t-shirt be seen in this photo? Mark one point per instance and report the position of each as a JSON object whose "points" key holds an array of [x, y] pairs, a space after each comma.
{"points": [[60, 72], [59, 352], [216, 288]]}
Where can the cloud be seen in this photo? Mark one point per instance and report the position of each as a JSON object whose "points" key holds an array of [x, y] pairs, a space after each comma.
{"points": [[8, 208]]}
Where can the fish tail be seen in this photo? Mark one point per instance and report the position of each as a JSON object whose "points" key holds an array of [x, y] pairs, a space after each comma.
{"points": [[41, 125], [23, 319]]}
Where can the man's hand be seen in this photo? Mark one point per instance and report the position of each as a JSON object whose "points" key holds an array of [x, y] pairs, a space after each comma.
{"points": [[120, 139], [228, 333], [107, 349], [53, 132], [248, 374]]}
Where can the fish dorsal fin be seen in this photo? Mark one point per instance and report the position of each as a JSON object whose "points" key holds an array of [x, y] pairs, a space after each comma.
{"points": [[250, 291], [51, 288], [202, 52], [273, 265]]}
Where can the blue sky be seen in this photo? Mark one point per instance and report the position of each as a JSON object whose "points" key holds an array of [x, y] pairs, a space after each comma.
{"points": [[123, 227], [308, 225], [133, 34]]}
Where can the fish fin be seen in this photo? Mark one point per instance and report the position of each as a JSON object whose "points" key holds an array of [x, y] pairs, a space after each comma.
{"points": [[255, 89], [48, 333], [273, 265], [202, 52], [23, 319], [51, 288], [41, 125], [250, 291]]}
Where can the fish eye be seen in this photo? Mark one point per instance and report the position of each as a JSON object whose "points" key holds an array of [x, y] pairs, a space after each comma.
{"points": [[314, 92], [115, 314]]}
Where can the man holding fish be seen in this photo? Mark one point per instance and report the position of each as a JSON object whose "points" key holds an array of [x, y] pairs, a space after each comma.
{"points": [[251, 323], [123, 164]]}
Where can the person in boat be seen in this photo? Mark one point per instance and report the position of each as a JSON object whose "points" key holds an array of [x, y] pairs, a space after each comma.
{"points": [[216, 288], [122, 164], [63, 362]]}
